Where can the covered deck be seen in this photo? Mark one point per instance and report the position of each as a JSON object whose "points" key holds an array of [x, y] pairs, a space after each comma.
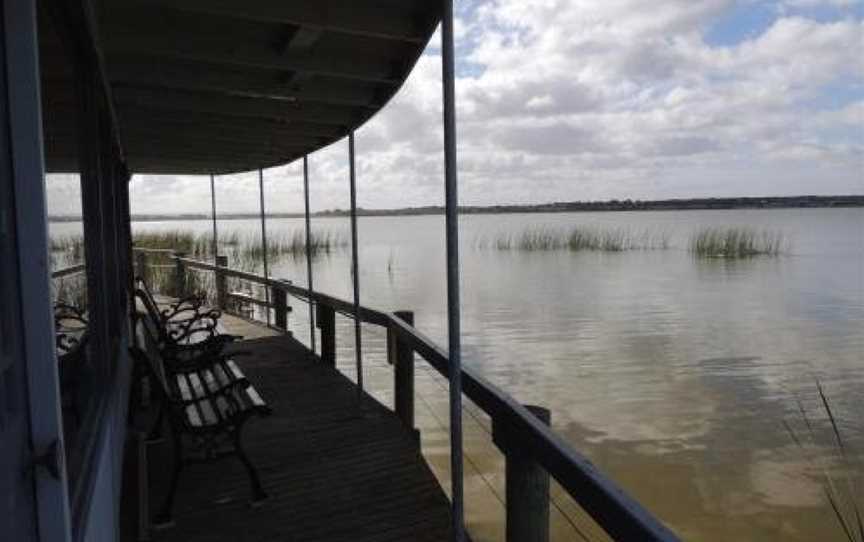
{"points": [[337, 464], [106, 90]]}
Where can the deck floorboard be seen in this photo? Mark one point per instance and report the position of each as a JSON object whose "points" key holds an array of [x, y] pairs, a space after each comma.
{"points": [[337, 466]]}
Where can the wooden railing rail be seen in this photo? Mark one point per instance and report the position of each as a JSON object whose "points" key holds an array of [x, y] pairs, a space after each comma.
{"points": [[67, 271], [521, 434], [165, 251]]}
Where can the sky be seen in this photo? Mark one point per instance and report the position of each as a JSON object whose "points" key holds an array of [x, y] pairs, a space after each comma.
{"points": [[592, 100]]}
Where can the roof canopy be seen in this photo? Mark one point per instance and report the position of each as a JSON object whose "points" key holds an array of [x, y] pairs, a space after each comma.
{"points": [[221, 86]]}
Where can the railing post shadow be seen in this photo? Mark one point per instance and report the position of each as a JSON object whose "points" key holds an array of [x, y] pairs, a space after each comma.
{"points": [[280, 305], [221, 283], [527, 493], [326, 322], [401, 356]]}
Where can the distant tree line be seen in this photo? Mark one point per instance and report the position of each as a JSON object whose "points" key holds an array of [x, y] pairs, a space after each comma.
{"points": [[554, 207]]}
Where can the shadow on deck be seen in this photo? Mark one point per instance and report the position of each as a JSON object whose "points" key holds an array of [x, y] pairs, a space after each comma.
{"points": [[336, 465]]}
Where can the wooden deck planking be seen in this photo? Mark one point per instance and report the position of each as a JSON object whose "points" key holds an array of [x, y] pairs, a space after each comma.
{"points": [[335, 468]]}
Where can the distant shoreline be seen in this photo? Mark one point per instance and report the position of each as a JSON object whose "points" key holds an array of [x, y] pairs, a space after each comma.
{"points": [[786, 202]]}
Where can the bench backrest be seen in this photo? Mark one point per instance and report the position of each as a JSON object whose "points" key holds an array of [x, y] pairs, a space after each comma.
{"points": [[142, 291], [149, 344]]}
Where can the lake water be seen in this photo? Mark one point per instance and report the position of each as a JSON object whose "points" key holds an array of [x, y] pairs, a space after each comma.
{"points": [[674, 375]]}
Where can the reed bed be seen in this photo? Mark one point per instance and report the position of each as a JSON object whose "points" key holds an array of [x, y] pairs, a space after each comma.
{"points": [[248, 246], [244, 252], [66, 250], [577, 238], [293, 244], [736, 242]]}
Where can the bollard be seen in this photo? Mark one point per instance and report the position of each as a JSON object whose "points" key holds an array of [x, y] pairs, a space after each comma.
{"points": [[179, 275], [221, 283], [141, 264], [401, 355], [326, 321], [280, 307]]}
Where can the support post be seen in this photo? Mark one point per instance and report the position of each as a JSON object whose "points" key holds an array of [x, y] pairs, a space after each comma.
{"points": [[221, 283], [401, 355], [355, 272], [327, 325], [280, 307], [451, 219], [264, 242], [527, 493], [213, 217], [310, 288], [179, 274]]}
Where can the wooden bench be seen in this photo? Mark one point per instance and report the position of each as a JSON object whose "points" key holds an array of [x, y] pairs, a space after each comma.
{"points": [[70, 327], [182, 321], [207, 402], [196, 334]]}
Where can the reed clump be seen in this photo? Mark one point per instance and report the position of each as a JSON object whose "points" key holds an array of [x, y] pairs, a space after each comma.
{"points": [[736, 242], [577, 238], [293, 244]]}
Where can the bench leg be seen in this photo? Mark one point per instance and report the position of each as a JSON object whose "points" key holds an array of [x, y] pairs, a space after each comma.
{"points": [[164, 518], [258, 493], [155, 434]]}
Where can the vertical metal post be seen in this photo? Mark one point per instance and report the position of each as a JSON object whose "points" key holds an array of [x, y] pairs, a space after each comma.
{"points": [[213, 216], [264, 241], [355, 273], [452, 229], [309, 254]]}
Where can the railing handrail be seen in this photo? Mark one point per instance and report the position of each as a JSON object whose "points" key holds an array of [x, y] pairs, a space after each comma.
{"points": [[615, 511], [66, 271], [155, 250]]}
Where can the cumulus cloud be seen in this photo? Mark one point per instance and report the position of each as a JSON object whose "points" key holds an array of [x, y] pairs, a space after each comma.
{"points": [[578, 99]]}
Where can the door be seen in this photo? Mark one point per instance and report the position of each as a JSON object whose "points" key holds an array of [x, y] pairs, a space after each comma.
{"points": [[33, 500], [17, 504]]}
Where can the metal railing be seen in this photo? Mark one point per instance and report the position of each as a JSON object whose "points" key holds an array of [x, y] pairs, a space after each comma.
{"points": [[524, 437]]}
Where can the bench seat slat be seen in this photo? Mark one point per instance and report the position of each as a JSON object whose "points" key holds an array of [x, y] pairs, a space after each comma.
{"points": [[208, 412], [183, 386], [192, 416], [209, 381], [254, 397], [225, 376], [238, 374], [197, 386]]}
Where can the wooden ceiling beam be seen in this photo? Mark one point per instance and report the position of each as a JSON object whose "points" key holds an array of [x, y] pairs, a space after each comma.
{"points": [[203, 122], [196, 122], [235, 106], [159, 139], [158, 73], [219, 104], [391, 20], [230, 51]]}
